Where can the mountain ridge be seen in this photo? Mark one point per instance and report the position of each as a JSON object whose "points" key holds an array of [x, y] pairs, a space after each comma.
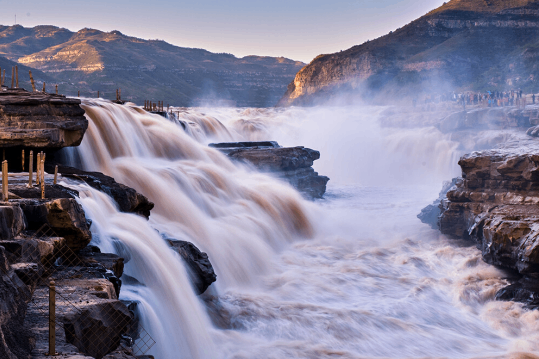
{"points": [[91, 60]]}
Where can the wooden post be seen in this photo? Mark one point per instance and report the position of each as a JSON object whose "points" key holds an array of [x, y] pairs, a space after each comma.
{"points": [[52, 319], [17, 75], [23, 160], [12, 76], [4, 181], [55, 174], [42, 179], [38, 162], [117, 98], [57, 89], [97, 94], [32, 81], [43, 86], [78, 93], [31, 169]]}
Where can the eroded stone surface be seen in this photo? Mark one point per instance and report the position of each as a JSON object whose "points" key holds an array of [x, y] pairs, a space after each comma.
{"points": [[292, 164], [496, 204], [40, 120], [64, 216]]}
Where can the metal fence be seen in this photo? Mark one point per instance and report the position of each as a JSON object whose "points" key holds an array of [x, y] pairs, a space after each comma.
{"points": [[67, 295]]}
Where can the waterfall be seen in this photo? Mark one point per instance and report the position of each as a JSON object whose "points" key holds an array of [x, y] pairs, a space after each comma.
{"points": [[240, 218], [352, 275]]}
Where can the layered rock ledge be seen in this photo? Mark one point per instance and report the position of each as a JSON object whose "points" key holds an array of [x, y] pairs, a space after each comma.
{"points": [[496, 204], [40, 120], [292, 164]]}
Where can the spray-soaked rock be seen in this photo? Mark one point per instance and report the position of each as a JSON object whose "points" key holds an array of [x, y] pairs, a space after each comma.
{"points": [[198, 264], [40, 120], [496, 204], [293, 164], [128, 199]]}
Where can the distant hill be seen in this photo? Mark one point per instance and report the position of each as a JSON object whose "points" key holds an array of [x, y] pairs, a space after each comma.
{"points": [[463, 45], [91, 60]]}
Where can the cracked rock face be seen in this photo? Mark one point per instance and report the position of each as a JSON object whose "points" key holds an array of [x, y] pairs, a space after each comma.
{"points": [[39, 120], [496, 203]]}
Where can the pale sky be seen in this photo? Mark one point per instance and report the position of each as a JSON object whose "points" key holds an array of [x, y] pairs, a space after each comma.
{"points": [[297, 29]]}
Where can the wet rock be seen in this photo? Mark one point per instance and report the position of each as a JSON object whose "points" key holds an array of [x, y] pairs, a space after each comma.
{"points": [[525, 290], [12, 221], [54, 191], [14, 295], [97, 329], [64, 216], [199, 267], [430, 214], [496, 204], [39, 120], [112, 263], [292, 164], [128, 199]]}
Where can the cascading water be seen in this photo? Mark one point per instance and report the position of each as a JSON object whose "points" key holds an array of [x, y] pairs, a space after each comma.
{"points": [[354, 275]]}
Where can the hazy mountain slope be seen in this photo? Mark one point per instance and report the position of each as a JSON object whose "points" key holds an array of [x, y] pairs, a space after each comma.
{"points": [[449, 49], [91, 60]]}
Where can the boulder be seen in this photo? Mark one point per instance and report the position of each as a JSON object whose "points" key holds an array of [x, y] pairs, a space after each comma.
{"points": [[29, 273], [97, 329], [12, 221], [64, 216], [198, 264], [40, 120]]}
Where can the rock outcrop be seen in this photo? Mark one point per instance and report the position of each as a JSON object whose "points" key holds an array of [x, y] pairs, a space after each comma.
{"points": [[64, 216], [292, 164], [496, 204], [40, 120], [128, 199]]}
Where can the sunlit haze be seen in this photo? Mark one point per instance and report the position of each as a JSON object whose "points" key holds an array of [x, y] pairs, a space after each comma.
{"points": [[297, 29]]}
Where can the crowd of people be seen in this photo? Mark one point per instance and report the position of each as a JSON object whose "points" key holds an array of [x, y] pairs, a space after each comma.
{"points": [[486, 99]]}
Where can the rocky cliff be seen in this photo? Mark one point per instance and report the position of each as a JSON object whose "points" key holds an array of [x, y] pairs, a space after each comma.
{"points": [[40, 120], [463, 45], [495, 204]]}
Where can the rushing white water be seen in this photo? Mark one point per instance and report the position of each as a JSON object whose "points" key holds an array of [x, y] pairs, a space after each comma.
{"points": [[353, 275]]}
